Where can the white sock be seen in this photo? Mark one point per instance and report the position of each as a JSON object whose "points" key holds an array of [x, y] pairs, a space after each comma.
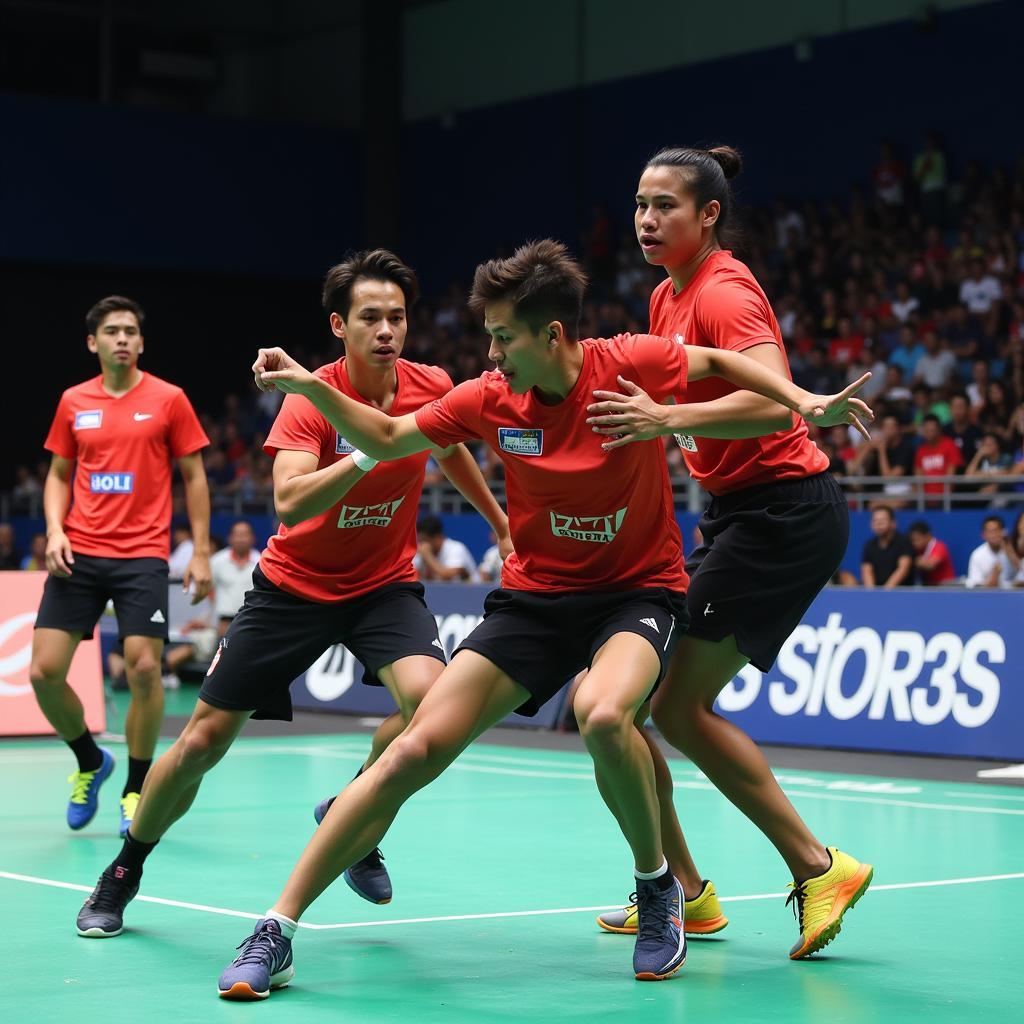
{"points": [[288, 926], [649, 876]]}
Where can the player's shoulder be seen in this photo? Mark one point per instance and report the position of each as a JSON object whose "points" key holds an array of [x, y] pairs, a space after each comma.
{"points": [[86, 389], [162, 387], [430, 378], [662, 291]]}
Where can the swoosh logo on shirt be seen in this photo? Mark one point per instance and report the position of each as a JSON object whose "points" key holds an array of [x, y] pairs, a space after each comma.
{"points": [[140, 416]]}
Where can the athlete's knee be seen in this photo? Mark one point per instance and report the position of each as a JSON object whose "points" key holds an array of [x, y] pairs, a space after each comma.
{"points": [[202, 745], [144, 678], [45, 674], [414, 756], [604, 721]]}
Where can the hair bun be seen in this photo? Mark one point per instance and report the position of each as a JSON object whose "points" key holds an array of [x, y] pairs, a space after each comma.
{"points": [[728, 159]]}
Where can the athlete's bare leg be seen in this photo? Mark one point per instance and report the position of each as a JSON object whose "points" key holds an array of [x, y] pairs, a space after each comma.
{"points": [[173, 781], [146, 709], [471, 695], [682, 709], [606, 703], [52, 651]]}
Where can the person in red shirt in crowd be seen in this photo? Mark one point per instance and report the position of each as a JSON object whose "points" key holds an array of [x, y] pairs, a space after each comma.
{"points": [[937, 455], [776, 530], [845, 349], [596, 579], [338, 571], [114, 440], [932, 559]]}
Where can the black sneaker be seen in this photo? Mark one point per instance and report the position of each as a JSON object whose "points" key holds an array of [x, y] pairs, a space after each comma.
{"points": [[101, 914], [367, 877]]}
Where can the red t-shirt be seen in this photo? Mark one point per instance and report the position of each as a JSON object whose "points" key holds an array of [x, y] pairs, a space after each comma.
{"points": [[939, 459], [944, 570], [123, 448], [724, 307], [581, 519], [844, 351], [368, 539]]}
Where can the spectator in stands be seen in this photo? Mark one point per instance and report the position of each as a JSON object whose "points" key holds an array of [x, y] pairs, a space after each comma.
{"points": [[977, 390], [888, 454], [937, 364], [490, 565], [995, 562], [10, 557], [847, 346], [990, 460], [1017, 543], [440, 558], [930, 178], [27, 488], [889, 176], [231, 568], [888, 559], [907, 354], [996, 415], [963, 433], [937, 455], [980, 291], [932, 559], [905, 304], [35, 560], [181, 550]]}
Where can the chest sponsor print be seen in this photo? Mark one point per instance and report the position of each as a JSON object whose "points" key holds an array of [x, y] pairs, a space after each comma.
{"points": [[343, 447], [111, 483], [89, 419], [353, 516], [593, 529], [518, 441]]}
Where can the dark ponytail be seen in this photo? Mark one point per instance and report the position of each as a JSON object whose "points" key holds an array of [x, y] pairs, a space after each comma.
{"points": [[706, 174]]}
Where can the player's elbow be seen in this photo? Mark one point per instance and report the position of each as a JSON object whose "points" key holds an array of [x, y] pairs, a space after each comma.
{"points": [[287, 511]]}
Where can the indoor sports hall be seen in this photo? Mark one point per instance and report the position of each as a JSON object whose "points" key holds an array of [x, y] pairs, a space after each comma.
{"points": [[805, 577]]}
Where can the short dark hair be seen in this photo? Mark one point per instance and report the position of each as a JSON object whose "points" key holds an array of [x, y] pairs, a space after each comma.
{"points": [[919, 526], [371, 265], [112, 304], [541, 280], [885, 508], [430, 526], [932, 418], [993, 519]]}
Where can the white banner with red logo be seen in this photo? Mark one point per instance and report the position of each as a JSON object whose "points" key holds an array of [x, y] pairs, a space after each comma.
{"points": [[20, 593]]}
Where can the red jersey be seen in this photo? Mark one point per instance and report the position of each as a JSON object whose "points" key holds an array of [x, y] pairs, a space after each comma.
{"points": [[939, 459], [368, 538], [944, 570], [723, 307], [123, 447], [581, 519]]}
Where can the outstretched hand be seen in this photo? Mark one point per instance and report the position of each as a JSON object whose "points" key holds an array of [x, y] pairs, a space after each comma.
{"points": [[275, 369], [840, 409], [632, 416]]}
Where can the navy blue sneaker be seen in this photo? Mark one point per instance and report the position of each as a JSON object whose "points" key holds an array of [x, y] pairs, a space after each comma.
{"points": [[85, 792], [264, 963], [367, 877], [661, 939], [102, 913]]}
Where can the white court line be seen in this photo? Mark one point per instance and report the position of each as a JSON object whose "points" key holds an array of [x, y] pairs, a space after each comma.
{"points": [[988, 796], [891, 887]]}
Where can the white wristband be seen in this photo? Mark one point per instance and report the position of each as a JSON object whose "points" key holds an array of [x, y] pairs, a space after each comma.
{"points": [[364, 462]]}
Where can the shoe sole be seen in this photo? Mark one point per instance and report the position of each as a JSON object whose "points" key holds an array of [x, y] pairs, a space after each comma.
{"points": [[853, 889], [359, 892], [98, 933], [243, 992], [651, 976], [715, 924]]}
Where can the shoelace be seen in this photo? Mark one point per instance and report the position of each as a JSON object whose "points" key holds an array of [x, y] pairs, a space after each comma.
{"points": [[81, 782], [653, 913], [257, 947], [374, 859], [110, 893], [128, 804], [797, 897]]}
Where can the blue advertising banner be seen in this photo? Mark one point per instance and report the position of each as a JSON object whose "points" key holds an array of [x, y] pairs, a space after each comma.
{"points": [[920, 671], [334, 681]]}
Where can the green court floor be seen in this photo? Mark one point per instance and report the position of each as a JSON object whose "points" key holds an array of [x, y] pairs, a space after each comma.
{"points": [[499, 868]]}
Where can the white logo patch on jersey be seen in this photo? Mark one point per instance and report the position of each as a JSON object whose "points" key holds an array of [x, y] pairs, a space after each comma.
{"points": [[518, 441], [88, 419], [343, 447], [686, 442], [353, 516], [593, 529], [140, 416]]}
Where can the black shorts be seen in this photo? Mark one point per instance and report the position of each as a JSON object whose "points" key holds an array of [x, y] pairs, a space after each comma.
{"points": [[767, 552], [137, 586], [542, 640], [276, 636]]}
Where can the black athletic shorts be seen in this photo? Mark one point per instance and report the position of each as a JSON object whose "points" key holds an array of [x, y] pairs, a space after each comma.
{"points": [[767, 552], [276, 636], [137, 586], [541, 640]]}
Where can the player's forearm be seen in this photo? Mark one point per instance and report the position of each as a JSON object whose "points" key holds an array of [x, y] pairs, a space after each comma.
{"points": [[56, 497], [751, 375], [739, 415], [370, 430], [461, 469], [197, 505], [310, 494]]}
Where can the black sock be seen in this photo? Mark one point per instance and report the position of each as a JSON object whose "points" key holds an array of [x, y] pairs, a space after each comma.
{"points": [[90, 757], [131, 858], [137, 769], [665, 880]]}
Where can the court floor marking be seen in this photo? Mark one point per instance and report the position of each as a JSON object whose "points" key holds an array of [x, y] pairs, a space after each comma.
{"points": [[890, 887]]}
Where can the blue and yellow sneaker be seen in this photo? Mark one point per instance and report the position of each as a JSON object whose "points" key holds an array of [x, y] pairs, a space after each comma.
{"points": [[128, 804], [820, 902], [85, 792], [367, 877], [703, 915], [264, 963], [660, 939]]}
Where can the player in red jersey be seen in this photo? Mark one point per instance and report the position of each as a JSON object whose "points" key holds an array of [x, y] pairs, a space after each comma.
{"points": [[114, 439], [339, 570], [774, 532], [596, 579]]}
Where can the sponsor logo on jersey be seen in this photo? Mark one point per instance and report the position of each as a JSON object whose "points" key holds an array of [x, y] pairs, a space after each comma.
{"points": [[88, 419], [343, 447], [594, 529], [368, 515], [112, 483], [521, 442], [140, 416], [686, 442], [679, 339]]}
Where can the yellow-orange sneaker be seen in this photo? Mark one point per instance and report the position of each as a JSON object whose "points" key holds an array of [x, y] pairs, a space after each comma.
{"points": [[821, 901], [703, 915]]}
